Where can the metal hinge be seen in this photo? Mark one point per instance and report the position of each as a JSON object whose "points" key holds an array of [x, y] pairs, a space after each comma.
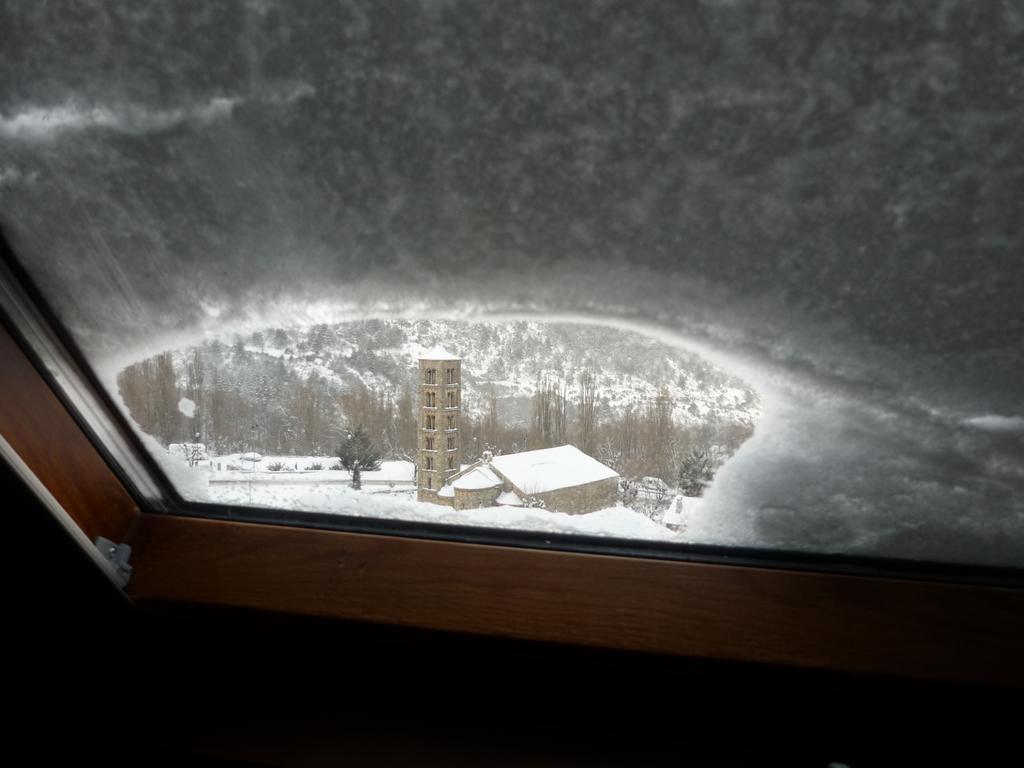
{"points": [[117, 555]]}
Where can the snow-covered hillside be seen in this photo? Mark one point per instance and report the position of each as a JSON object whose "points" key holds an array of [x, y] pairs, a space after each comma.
{"points": [[506, 359]]}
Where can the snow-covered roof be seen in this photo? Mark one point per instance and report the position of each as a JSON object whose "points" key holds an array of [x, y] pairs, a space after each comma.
{"points": [[446, 491], [549, 469], [681, 509], [438, 353], [509, 499], [477, 479], [673, 516]]}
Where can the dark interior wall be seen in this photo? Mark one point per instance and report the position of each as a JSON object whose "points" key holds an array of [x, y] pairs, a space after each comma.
{"points": [[177, 684]]}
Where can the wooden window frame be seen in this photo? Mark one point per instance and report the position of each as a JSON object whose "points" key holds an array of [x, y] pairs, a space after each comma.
{"points": [[930, 626]]}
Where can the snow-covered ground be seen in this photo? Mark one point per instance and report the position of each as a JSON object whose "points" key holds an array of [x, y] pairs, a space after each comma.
{"points": [[232, 468], [342, 499], [388, 493], [681, 512]]}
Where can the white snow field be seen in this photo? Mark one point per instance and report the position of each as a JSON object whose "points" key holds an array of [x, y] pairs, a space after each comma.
{"points": [[400, 504], [387, 493], [299, 470]]}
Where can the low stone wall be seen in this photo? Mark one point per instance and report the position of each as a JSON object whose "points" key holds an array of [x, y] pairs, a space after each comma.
{"points": [[474, 499], [431, 497]]}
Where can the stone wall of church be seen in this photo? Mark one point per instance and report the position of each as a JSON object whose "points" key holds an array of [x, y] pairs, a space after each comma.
{"points": [[444, 501], [474, 499], [579, 499]]}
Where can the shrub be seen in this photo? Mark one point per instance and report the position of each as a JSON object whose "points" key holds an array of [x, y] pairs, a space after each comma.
{"points": [[357, 453], [275, 466], [315, 465]]}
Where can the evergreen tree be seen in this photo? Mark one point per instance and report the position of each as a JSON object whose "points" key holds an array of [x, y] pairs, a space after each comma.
{"points": [[358, 454], [696, 471]]}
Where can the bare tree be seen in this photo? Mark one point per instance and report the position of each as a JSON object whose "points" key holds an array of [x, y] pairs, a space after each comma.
{"points": [[540, 424], [659, 434], [194, 376], [550, 419], [587, 415], [193, 452], [490, 426]]}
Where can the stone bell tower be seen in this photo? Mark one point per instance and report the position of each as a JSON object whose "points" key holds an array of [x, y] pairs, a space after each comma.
{"points": [[438, 439]]}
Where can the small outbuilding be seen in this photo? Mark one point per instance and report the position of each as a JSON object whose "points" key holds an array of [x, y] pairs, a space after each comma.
{"points": [[561, 479]]}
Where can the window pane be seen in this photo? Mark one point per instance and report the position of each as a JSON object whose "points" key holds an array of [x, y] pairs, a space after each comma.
{"points": [[745, 273]]}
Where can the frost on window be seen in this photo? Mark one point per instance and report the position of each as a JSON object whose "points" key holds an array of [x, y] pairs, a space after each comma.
{"points": [[746, 272]]}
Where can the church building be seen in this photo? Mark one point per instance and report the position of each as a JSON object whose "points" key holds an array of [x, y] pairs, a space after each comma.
{"points": [[560, 479]]}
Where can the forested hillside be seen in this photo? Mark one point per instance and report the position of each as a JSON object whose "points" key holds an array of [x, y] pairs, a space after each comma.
{"points": [[633, 402]]}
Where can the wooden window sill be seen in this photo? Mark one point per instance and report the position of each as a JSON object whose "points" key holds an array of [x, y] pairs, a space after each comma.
{"points": [[852, 623]]}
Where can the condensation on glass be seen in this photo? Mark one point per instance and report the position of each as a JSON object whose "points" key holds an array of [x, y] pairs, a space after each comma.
{"points": [[713, 272]]}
